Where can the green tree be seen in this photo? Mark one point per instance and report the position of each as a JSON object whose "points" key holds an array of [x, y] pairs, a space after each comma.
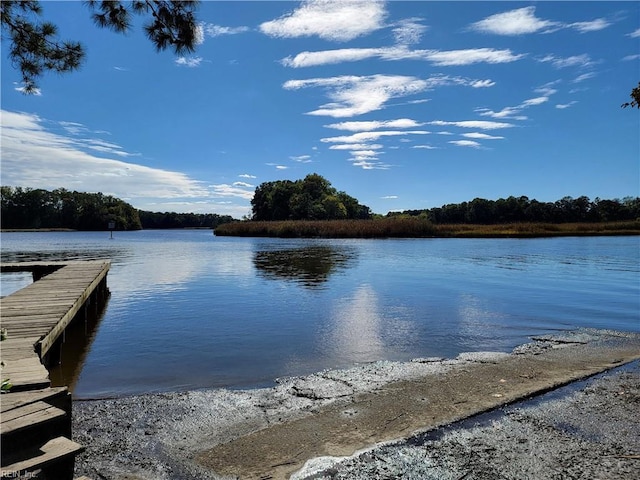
{"points": [[312, 198], [35, 49]]}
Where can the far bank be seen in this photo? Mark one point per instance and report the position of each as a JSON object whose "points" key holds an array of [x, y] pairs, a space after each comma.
{"points": [[419, 227]]}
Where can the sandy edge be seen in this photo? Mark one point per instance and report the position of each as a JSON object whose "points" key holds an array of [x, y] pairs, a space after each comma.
{"points": [[166, 436]]}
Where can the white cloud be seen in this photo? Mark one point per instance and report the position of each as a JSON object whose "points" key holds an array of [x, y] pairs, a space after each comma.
{"points": [[535, 101], [471, 56], [190, 62], [375, 125], [425, 147], [337, 20], [218, 30], [354, 95], [369, 165], [243, 184], [507, 112], [356, 146], [481, 136], [365, 154], [513, 113], [514, 22], [574, 61], [281, 167], [631, 57], [562, 106], [301, 158], [389, 197], [592, 26], [482, 83], [236, 190], [246, 175], [481, 124], [465, 143], [634, 34], [36, 157], [371, 136], [583, 77], [408, 31], [436, 57]]}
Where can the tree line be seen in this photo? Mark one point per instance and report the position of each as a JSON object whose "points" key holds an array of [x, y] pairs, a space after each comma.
{"points": [[522, 209], [312, 198], [27, 208]]}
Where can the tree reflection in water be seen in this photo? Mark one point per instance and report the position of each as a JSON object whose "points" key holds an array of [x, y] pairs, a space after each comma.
{"points": [[311, 266]]}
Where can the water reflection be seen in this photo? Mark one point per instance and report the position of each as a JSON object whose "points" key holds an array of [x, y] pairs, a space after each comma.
{"points": [[357, 328], [310, 266]]}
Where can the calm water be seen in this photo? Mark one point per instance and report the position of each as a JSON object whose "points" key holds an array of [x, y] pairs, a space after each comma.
{"points": [[190, 310]]}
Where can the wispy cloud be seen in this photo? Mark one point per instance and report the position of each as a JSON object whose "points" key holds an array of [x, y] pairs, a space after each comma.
{"points": [[425, 147], [401, 52], [352, 95], [409, 31], [301, 158], [361, 137], [513, 113], [481, 124], [246, 175], [357, 146], [631, 57], [634, 34], [523, 21], [35, 156], [190, 62], [243, 184], [562, 106], [514, 22], [335, 20], [375, 125], [581, 61], [592, 26], [238, 189], [217, 30], [481, 136], [465, 143], [583, 77], [389, 197], [356, 95]]}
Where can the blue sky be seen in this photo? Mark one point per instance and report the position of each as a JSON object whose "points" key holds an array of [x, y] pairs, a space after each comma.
{"points": [[403, 105]]}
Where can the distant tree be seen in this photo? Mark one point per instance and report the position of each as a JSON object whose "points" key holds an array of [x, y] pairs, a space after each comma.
{"points": [[635, 98], [521, 209], [312, 198], [38, 208], [34, 47]]}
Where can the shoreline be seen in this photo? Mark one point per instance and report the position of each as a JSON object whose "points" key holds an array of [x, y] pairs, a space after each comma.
{"points": [[220, 433]]}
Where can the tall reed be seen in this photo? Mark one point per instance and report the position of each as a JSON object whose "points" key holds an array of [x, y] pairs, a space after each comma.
{"points": [[417, 227]]}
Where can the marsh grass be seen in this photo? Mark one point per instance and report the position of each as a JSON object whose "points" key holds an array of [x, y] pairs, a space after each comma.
{"points": [[417, 227]]}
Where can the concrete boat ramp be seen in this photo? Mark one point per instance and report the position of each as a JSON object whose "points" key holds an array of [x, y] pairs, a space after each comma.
{"points": [[272, 433]]}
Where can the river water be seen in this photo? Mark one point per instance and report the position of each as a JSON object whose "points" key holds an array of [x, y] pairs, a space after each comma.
{"points": [[191, 310]]}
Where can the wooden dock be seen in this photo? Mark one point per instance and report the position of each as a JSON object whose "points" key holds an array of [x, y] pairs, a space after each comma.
{"points": [[35, 427]]}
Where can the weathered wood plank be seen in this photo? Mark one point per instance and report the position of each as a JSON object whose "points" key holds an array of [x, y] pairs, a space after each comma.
{"points": [[28, 415], [54, 396], [54, 450]]}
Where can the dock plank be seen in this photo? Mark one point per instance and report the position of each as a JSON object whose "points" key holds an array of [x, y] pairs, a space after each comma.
{"points": [[35, 317]]}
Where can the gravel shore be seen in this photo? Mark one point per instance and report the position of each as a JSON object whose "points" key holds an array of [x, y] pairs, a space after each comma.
{"points": [[336, 420]]}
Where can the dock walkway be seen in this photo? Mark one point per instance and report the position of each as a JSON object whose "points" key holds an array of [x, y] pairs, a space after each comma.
{"points": [[36, 419]]}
